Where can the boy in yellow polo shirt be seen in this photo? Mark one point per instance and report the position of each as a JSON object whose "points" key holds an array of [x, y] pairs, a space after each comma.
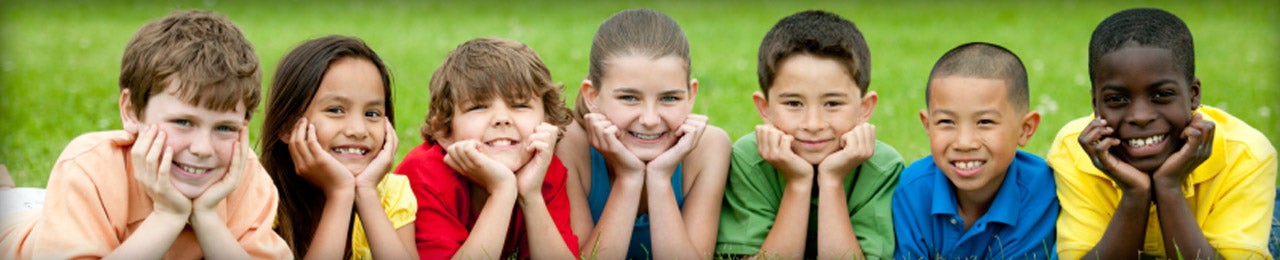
{"points": [[1156, 173]]}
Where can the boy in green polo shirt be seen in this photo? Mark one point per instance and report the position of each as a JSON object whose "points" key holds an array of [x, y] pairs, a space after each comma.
{"points": [[814, 169]]}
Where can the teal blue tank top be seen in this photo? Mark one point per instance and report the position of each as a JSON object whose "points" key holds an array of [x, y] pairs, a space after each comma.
{"points": [[641, 243]]}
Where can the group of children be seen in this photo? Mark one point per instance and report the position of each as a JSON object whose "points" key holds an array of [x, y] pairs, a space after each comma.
{"points": [[507, 170]]}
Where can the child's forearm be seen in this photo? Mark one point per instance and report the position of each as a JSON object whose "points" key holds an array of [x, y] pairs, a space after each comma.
{"points": [[160, 231], [667, 223], [215, 239], [612, 235], [787, 238], [838, 238], [1179, 228], [330, 238], [383, 240], [1126, 229], [489, 233], [544, 239]]}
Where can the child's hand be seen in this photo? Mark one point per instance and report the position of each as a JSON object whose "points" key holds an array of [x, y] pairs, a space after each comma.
{"points": [[151, 161], [689, 133], [1097, 143], [314, 163], [856, 146], [465, 158], [220, 189], [1199, 146], [605, 137], [775, 148], [542, 146], [381, 164]]}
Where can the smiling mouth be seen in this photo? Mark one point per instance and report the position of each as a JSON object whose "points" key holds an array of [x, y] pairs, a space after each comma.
{"points": [[191, 170], [646, 137], [350, 151], [501, 143], [1143, 142], [968, 165]]}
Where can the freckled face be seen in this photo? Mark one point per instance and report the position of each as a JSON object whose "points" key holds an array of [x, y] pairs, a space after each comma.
{"points": [[1146, 98]]}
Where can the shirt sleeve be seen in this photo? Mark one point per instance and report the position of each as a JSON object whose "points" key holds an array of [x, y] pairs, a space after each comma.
{"points": [[77, 220], [253, 212], [871, 204], [1239, 224], [398, 200], [558, 204], [906, 224], [751, 203], [1086, 207]]}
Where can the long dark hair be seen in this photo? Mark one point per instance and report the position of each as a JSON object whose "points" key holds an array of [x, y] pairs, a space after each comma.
{"points": [[294, 85]]}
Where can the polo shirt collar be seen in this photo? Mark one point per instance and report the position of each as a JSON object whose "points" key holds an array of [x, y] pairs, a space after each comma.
{"points": [[1004, 207]]}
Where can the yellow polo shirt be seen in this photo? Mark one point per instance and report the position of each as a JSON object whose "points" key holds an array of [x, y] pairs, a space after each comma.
{"points": [[1231, 194]]}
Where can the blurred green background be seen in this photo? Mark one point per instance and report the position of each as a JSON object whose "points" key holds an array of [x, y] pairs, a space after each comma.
{"points": [[59, 60]]}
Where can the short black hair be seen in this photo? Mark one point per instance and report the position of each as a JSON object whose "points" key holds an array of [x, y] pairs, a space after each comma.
{"points": [[986, 61], [1148, 27], [816, 33]]}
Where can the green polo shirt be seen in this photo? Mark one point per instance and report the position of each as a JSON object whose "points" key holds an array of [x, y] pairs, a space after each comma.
{"points": [[754, 193]]}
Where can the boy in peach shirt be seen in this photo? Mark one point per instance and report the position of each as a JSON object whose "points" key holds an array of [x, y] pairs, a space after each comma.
{"points": [[180, 181]]}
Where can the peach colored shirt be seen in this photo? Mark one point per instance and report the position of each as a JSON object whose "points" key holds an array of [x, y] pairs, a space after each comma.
{"points": [[93, 204]]}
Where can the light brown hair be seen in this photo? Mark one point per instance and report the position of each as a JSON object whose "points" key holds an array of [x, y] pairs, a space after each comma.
{"points": [[643, 32], [214, 65], [484, 68]]}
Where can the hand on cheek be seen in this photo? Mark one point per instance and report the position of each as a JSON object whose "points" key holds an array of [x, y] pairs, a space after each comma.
{"points": [[856, 146], [1197, 149], [775, 147], [1097, 142], [314, 163], [689, 133], [465, 157], [381, 163], [235, 173], [152, 161], [605, 137], [542, 146]]}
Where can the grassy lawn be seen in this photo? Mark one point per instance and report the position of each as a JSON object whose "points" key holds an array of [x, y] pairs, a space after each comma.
{"points": [[59, 60]]}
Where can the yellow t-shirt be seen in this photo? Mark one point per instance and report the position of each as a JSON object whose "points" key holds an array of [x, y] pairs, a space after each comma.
{"points": [[401, 208], [1231, 194]]}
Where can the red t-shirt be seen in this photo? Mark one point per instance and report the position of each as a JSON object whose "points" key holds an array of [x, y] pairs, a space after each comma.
{"points": [[445, 216]]}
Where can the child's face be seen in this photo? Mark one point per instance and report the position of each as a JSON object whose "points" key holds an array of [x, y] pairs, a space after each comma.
{"points": [[974, 132], [1146, 98], [348, 111], [503, 128], [202, 140], [647, 99], [814, 100]]}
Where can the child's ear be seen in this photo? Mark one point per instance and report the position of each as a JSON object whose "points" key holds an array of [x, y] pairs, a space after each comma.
{"points": [[868, 105], [762, 106], [1030, 123], [693, 91], [589, 93], [924, 119], [128, 114], [1194, 88]]}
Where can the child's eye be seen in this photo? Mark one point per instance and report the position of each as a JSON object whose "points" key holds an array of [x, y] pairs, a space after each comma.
{"points": [[334, 110], [476, 107], [224, 128], [522, 105], [944, 122], [629, 99], [669, 99], [792, 103], [372, 113], [986, 122], [181, 122], [1164, 94], [1115, 99], [832, 104]]}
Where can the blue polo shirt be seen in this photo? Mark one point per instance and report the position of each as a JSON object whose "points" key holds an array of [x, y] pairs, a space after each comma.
{"points": [[1019, 224]]}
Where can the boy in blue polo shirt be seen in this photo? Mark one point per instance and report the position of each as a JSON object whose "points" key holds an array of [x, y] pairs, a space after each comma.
{"points": [[976, 196]]}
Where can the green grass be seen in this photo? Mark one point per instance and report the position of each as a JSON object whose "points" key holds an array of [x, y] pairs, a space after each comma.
{"points": [[59, 60]]}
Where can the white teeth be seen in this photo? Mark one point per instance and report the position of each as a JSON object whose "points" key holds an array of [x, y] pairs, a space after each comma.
{"points": [[193, 170], [501, 143], [350, 150], [1140, 142], [645, 136], [969, 164]]}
